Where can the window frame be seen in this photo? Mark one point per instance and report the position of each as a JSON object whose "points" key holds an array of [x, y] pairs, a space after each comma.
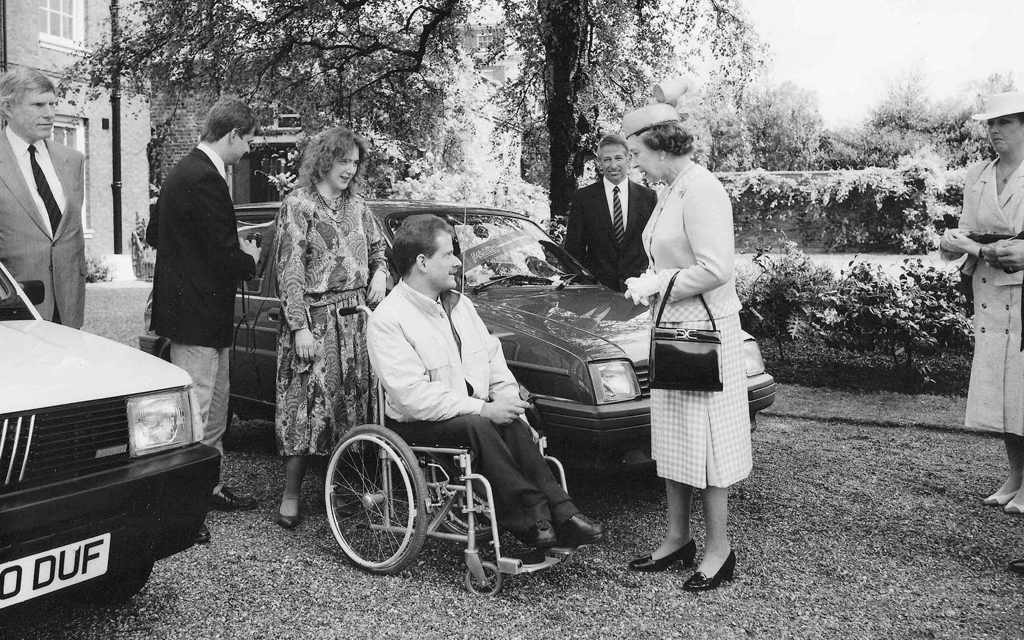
{"points": [[59, 42]]}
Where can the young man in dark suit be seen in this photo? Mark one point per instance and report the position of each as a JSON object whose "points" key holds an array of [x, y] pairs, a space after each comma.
{"points": [[606, 219], [41, 193], [199, 261]]}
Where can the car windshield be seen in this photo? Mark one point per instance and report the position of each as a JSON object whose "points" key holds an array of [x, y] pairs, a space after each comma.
{"points": [[512, 250]]}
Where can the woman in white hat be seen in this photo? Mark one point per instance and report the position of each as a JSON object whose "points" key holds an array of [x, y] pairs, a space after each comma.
{"points": [[699, 439], [994, 210]]}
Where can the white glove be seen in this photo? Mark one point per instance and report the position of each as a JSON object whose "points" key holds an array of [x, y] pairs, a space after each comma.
{"points": [[641, 288]]}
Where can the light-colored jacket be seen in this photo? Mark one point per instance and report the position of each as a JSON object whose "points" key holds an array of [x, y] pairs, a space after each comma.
{"points": [[26, 247], [690, 232], [414, 353], [986, 212]]}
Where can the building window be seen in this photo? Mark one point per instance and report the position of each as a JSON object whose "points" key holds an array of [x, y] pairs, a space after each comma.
{"points": [[70, 132], [61, 24]]}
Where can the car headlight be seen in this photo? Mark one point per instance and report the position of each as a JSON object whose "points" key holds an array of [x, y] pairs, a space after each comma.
{"points": [[752, 358], [614, 381], [159, 421]]}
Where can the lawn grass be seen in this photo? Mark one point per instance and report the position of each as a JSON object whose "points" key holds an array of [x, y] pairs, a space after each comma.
{"points": [[841, 532]]}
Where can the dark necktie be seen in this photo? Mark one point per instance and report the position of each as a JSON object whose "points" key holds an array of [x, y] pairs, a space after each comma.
{"points": [[617, 215], [43, 187]]}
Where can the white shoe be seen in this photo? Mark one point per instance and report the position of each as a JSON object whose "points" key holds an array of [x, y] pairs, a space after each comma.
{"points": [[999, 499]]}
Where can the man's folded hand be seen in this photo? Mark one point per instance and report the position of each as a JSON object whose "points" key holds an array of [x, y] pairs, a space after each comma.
{"points": [[504, 410]]}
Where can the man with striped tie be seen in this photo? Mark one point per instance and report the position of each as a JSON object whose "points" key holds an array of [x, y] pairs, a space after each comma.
{"points": [[607, 217]]}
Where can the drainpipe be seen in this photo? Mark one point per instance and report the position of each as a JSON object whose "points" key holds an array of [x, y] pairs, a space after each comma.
{"points": [[115, 124], [3, 36]]}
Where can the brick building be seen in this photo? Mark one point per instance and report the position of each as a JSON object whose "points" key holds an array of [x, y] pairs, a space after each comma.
{"points": [[50, 35]]}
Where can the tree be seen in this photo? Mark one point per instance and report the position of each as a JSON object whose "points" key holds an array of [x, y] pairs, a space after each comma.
{"points": [[374, 65], [585, 62], [783, 125]]}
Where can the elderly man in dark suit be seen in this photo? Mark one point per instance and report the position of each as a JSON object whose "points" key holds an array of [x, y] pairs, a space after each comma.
{"points": [[606, 219], [41, 192], [199, 262]]}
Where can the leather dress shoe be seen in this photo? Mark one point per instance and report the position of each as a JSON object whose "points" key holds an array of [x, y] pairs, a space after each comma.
{"points": [[288, 522], [578, 530], [226, 500], [540, 535], [202, 535], [700, 582], [685, 554]]}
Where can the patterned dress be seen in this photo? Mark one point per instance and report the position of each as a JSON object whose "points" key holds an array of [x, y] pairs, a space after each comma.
{"points": [[326, 255]]}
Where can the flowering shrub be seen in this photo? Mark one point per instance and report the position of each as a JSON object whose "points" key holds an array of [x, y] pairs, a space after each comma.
{"points": [[916, 312]]}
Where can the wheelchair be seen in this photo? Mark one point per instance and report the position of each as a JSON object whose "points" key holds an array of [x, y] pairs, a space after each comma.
{"points": [[384, 498]]}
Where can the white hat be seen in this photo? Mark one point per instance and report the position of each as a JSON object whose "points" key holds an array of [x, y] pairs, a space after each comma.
{"points": [[1001, 104], [667, 96]]}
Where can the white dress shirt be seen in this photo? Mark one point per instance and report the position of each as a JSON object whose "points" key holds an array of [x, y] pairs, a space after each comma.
{"points": [[20, 147], [217, 161], [623, 198]]}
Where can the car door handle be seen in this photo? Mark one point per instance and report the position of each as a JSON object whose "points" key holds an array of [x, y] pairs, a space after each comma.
{"points": [[274, 315]]}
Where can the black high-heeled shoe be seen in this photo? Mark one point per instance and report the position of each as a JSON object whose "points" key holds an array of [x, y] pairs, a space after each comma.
{"points": [[700, 582], [685, 553]]}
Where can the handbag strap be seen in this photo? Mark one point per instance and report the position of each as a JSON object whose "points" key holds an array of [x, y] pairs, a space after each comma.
{"points": [[664, 299]]}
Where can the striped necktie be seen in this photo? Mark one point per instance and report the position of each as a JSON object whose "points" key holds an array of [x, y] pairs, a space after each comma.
{"points": [[617, 215], [43, 188]]}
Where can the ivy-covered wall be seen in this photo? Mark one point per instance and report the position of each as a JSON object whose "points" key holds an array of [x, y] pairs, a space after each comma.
{"points": [[883, 210]]}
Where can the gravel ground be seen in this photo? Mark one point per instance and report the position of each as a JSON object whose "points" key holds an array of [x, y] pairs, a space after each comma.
{"points": [[841, 532]]}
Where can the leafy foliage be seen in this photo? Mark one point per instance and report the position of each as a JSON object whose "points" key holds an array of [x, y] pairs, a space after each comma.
{"points": [[869, 209], [907, 316]]}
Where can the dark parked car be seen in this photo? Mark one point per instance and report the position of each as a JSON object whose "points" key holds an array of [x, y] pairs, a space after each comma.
{"points": [[101, 470], [579, 347]]}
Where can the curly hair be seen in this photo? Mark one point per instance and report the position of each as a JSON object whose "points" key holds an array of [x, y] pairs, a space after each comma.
{"points": [[669, 137], [326, 148]]}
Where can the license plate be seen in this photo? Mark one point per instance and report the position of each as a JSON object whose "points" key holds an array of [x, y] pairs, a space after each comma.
{"points": [[42, 573]]}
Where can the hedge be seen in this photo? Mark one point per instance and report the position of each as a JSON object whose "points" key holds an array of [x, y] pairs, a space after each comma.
{"points": [[907, 316], [874, 209]]}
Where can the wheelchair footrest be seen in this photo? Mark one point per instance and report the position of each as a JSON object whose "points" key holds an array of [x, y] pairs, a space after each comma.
{"points": [[534, 561]]}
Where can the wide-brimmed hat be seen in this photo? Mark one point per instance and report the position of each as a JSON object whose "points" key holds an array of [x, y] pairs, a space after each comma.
{"points": [[667, 95], [1001, 104]]}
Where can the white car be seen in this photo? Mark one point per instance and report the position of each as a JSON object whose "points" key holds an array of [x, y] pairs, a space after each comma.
{"points": [[101, 468]]}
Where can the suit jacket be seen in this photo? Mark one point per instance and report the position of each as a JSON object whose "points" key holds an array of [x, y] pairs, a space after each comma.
{"points": [[590, 239], [27, 248], [198, 259]]}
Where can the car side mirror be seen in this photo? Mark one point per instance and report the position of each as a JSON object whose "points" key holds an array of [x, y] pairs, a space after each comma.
{"points": [[34, 289]]}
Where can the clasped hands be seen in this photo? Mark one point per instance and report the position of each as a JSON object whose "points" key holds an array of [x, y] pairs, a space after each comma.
{"points": [[640, 288], [1007, 255]]}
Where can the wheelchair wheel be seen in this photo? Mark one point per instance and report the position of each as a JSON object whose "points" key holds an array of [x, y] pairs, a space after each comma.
{"points": [[489, 585], [375, 494]]}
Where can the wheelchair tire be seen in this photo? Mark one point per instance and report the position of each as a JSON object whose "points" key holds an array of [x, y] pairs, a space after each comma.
{"points": [[375, 498], [489, 586]]}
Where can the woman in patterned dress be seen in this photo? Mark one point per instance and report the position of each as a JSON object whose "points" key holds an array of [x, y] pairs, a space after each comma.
{"points": [[330, 257], [699, 439], [994, 204]]}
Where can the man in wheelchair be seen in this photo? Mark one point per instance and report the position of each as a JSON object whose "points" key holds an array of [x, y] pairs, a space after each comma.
{"points": [[447, 384]]}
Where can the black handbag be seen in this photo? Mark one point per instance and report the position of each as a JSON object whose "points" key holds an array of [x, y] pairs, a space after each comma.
{"points": [[685, 359]]}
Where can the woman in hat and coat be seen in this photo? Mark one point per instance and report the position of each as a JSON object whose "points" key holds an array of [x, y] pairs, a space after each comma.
{"points": [[699, 439], [994, 207]]}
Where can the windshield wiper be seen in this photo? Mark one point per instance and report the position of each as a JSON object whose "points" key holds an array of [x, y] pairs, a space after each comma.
{"points": [[565, 279], [519, 278]]}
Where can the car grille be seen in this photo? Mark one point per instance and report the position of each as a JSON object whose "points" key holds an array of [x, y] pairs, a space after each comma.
{"points": [[62, 442], [644, 378]]}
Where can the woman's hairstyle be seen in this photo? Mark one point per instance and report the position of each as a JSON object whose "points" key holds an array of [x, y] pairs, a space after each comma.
{"points": [[229, 114], [416, 236], [17, 82], [326, 148], [669, 137]]}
